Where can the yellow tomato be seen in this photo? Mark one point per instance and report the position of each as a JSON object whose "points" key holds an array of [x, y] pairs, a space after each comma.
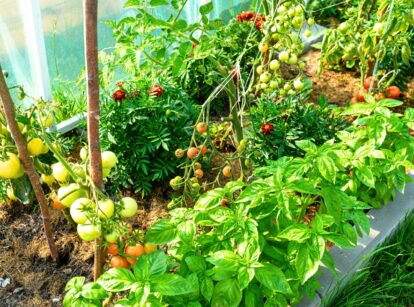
{"points": [[35, 147], [11, 167]]}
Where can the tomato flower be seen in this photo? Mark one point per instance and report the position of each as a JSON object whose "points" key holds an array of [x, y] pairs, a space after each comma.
{"points": [[119, 95], [267, 128], [155, 90]]}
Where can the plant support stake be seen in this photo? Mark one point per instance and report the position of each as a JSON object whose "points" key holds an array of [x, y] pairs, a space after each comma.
{"points": [[28, 165], [92, 85]]}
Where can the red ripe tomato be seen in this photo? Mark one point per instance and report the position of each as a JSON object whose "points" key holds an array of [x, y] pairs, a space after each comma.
{"points": [[367, 82], [360, 94], [393, 92], [203, 149]]}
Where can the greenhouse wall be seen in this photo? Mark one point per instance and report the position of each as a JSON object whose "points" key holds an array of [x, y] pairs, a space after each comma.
{"points": [[58, 25]]}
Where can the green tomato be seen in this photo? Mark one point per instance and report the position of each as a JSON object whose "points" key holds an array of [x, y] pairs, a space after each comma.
{"points": [[298, 10], [59, 172], [79, 171], [274, 84], [263, 86], [89, 232], [265, 77], [68, 194], [109, 159], [106, 208], [291, 12], [80, 210], [284, 56], [105, 172], [129, 207], [274, 65], [168, 113], [343, 27], [293, 59], [287, 87], [282, 10], [83, 154], [298, 84], [379, 28], [307, 33], [311, 21], [112, 237], [301, 65], [260, 69]]}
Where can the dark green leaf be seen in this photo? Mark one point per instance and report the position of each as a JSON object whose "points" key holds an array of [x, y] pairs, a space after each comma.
{"points": [[206, 8]]}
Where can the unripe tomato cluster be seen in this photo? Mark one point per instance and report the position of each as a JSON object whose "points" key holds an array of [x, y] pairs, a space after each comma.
{"points": [[283, 43]]}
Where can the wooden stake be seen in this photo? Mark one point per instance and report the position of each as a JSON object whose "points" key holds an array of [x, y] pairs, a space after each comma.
{"points": [[92, 79], [28, 165]]}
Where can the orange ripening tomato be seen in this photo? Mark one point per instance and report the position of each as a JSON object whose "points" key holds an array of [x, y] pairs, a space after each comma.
{"points": [[113, 249], [368, 81], [57, 205], [198, 173], [192, 152], [179, 153], [134, 251], [119, 262], [227, 171], [202, 127], [360, 94], [203, 149]]}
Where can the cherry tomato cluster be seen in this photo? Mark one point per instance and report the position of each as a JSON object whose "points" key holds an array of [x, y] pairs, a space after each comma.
{"points": [[280, 49], [371, 83]]}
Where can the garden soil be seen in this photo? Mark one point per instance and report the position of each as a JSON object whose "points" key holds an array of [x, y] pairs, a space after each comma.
{"points": [[340, 86], [34, 279]]}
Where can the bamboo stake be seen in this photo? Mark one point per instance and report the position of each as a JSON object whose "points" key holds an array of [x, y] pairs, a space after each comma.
{"points": [[92, 79], [28, 165]]}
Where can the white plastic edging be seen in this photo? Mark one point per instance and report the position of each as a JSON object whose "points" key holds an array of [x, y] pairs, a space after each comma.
{"points": [[384, 222], [69, 124], [33, 29]]}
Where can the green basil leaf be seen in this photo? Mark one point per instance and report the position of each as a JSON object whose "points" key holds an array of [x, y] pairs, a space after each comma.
{"points": [[195, 263], [298, 233], [207, 288], [227, 293], [117, 280], [186, 230], [162, 232], [273, 278], [94, 291], [171, 285]]}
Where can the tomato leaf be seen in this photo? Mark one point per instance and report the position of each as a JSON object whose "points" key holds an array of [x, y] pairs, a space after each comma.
{"points": [[206, 8]]}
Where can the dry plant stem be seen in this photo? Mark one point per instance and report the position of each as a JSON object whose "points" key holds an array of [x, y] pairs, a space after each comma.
{"points": [[28, 165], [92, 79]]}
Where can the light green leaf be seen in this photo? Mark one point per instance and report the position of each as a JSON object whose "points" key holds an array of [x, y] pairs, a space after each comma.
{"points": [[273, 278], [94, 291], [171, 285], [298, 233], [227, 293], [162, 232], [186, 230], [365, 175], [117, 280], [326, 167]]}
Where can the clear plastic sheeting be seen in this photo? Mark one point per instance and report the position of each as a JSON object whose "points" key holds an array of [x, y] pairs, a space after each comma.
{"points": [[61, 27]]}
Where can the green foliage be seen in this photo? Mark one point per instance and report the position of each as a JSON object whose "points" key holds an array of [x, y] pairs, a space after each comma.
{"points": [[80, 294], [375, 32], [293, 120], [263, 247], [68, 100], [323, 10], [387, 278], [145, 131]]}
